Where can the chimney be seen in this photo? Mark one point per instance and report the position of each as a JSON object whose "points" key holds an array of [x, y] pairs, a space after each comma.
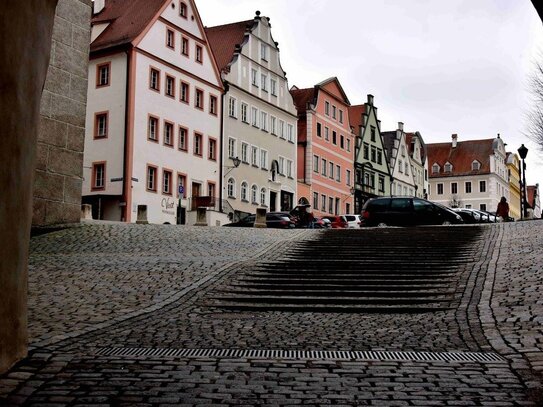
{"points": [[98, 6], [400, 126], [370, 100], [454, 140]]}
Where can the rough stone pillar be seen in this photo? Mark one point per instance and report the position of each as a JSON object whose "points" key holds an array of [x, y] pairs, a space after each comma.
{"points": [[142, 215], [260, 220], [201, 217], [25, 44]]}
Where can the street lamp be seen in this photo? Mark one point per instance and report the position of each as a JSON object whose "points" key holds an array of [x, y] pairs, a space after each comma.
{"points": [[523, 152]]}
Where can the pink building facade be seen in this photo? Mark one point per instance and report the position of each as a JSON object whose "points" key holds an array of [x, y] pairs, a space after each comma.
{"points": [[325, 169]]}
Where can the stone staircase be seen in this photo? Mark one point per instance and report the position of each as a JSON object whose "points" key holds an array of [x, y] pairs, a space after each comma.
{"points": [[366, 270]]}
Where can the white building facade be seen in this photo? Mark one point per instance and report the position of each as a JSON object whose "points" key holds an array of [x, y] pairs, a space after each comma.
{"points": [[403, 182], [259, 119], [153, 114]]}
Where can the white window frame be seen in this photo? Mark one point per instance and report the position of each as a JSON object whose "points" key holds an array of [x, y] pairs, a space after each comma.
{"points": [[232, 107], [232, 147]]}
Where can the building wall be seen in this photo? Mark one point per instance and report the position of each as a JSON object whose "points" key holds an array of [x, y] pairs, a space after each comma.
{"points": [[277, 144], [59, 167], [513, 166]]}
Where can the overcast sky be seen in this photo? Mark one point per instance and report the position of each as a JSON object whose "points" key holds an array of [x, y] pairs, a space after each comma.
{"points": [[441, 67]]}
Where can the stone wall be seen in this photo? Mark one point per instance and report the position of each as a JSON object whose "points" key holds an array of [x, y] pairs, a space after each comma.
{"points": [[59, 160]]}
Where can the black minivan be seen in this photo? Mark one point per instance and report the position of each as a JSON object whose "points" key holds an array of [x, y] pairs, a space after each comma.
{"points": [[406, 211]]}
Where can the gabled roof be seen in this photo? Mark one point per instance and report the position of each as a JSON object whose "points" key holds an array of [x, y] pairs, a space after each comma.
{"points": [[127, 19], [224, 38], [336, 80], [409, 138], [302, 97], [355, 116], [461, 157], [388, 142]]}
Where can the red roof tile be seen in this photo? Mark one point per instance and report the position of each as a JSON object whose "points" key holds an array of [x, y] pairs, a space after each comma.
{"points": [[224, 38], [355, 116], [461, 157], [128, 19], [302, 97]]}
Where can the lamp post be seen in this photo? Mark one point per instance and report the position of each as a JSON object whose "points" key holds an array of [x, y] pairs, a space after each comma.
{"points": [[523, 152]]}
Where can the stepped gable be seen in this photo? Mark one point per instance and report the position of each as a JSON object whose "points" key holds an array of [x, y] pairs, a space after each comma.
{"points": [[388, 141], [127, 19], [461, 157], [224, 39]]}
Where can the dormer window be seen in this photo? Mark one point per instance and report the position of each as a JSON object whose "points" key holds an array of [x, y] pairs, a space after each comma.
{"points": [[435, 169], [448, 167], [475, 165]]}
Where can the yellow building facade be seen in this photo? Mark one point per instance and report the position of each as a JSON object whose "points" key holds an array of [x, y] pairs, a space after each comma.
{"points": [[513, 169]]}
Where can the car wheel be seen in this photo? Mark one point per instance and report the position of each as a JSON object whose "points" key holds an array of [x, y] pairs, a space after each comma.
{"points": [[446, 223], [382, 225]]}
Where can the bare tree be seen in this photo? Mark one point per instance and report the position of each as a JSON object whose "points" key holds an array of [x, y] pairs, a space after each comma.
{"points": [[535, 115]]}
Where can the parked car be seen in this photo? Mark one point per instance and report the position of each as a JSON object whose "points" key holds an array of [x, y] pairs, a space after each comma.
{"points": [[468, 215], [337, 221], [273, 220], [407, 211], [353, 221]]}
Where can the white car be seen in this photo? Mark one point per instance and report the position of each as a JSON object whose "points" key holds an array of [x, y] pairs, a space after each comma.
{"points": [[353, 221]]}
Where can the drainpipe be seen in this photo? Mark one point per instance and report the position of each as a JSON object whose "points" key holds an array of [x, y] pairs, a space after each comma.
{"points": [[221, 155], [124, 211]]}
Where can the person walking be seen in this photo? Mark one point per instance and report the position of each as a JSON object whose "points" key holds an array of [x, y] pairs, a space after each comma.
{"points": [[503, 209]]}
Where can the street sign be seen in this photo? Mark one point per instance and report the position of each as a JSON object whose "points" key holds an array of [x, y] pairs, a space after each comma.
{"points": [[181, 189], [134, 179], [116, 179]]}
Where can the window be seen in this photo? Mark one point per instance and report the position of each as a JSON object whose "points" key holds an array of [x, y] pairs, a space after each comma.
{"points": [[340, 116], [366, 151], [372, 134], [400, 166], [264, 82], [326, 133], [448, 167], [170, 86], [281, 129], [290, 133], [324, 167], [254, 116], [273, 87], [212, 149], [334, 112], [482, 207], [440, 189], [243, 191], [338, 173], [316, 163], [98, 176], [182, 182], [254, 156], [166, 182], [264, 121], [168, 134], [154, 79], [319, 130], [348, 144], [315, 200], [348, 176], [254, 190], [341, 141], [263, 51], [100, 125], [289, 168], [199, 54], [331, 172], [183, 142], [231, 188], [403, 151], [244, 152], [102, 74], [475, 165], [454, 188], [213, 105], [327, 108], [374, 155], [244, 107], [232, 108], [323, 203], [468, 187], [254, 79], [152, 131], [381, 183], [211, 189], [198, 144], [482, 186], [151, 178], [263, 196], [406, 164], [264, 159], [379, 157], [232, 151], [282, 165], [334, 137], [199, 99], [330, 204], [185, 46], [435, 169], [183, 9], [184, 92], [170, 38], [273, 127]]}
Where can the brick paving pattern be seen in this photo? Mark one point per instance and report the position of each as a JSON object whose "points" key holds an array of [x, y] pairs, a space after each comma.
{"points": [[149, 286]]}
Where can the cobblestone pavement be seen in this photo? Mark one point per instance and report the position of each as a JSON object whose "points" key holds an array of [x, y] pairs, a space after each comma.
{"points": [[127, 286]]}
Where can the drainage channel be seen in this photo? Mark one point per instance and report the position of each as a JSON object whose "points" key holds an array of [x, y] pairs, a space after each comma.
{"points": [[408, 356]]}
